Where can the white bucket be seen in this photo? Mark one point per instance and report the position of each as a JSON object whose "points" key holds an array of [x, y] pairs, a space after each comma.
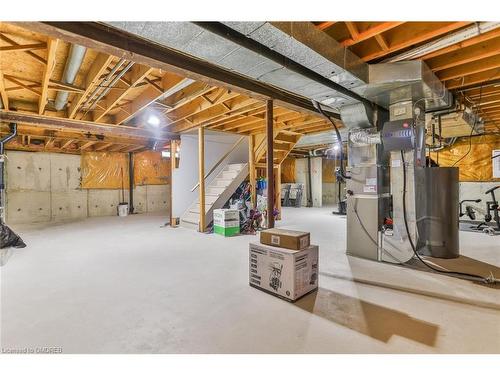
{"points": [[123, 209]]}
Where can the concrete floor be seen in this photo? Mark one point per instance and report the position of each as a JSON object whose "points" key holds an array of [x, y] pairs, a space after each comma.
{"points": [[126, 285]]}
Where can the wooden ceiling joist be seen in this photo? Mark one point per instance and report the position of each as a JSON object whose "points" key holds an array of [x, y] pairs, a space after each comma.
{"points": [[3, 93], [23, 47], [357, 37], [470, 68], [87, 145], [187, 103], [325, 25], [138, 73], [205, 118], [465, 55], [170, 83], [97, 69], [415, 38], [33, 55], [463, 44], [477, 78], [49, 68]]}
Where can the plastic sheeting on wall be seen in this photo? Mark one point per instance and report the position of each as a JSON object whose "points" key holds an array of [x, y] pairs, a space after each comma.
{"points": [[288, 171], [477, 165], [104, 170], [151, 169]]}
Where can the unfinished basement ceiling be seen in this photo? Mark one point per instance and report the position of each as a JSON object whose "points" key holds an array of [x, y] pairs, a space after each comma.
{"points": [[336, 63], [465, 56], [110, 99], [186, 103]]}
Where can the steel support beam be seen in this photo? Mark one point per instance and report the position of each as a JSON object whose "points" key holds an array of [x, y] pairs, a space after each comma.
{"points": [[131, 183], [201, 176], [252, 171], [270, 163], [173, 151]]}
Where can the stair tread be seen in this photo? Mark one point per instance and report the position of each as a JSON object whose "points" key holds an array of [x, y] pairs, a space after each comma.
{"points": [[218, 189]]}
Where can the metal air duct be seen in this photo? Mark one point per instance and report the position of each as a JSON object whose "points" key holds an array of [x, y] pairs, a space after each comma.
{"points": [[73, 64]]}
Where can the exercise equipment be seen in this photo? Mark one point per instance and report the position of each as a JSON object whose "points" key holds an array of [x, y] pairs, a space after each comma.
{"points": [[492, 211], [342, 205], [469, 211], [491, 223]]}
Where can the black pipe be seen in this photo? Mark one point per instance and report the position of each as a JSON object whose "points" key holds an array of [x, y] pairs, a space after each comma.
{"points": [[131, 183], [234, 36], [309, 191], [3, 141], [317, 105], [7, 138]]}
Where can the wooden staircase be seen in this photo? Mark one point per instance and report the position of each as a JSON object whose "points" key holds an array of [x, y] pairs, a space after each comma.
{"points": [[217, 193], [283, 143]]}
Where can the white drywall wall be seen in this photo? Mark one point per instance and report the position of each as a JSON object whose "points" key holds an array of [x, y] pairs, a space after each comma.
{"points": [[186, 176]]}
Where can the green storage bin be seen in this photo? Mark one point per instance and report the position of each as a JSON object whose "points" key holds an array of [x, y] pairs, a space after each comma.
{"points": [[226, 232]]}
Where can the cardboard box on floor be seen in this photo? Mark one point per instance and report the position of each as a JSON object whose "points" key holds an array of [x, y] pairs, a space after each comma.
{"points": [[285, 238], [285, 273], [224, 214]]}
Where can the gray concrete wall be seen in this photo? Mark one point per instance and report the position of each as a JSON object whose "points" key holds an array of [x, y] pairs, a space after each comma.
{"points": [[475, 190], [301, 166], [44, 187], [330, 193]]}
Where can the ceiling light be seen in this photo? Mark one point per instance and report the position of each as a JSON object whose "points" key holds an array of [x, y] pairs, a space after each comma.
{"points": [[153, 120]]}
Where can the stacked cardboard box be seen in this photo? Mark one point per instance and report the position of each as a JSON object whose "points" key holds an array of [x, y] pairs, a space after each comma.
{"points": [[226, 222], [284, 263]]}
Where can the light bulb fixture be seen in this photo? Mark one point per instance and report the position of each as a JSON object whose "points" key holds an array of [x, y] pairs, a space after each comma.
{"points": [[153, 120]]}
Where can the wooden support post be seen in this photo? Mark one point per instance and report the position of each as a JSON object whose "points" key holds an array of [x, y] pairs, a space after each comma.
{"points": [[201, 176], [252, 172], [270, 163], [131, 183], [173, 150], [277, 190]]}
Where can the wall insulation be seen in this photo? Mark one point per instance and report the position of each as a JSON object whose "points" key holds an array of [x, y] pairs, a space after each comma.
{"points": [[104, 170], [288, 171], [329, 170], [151, 169], [477, 165]]}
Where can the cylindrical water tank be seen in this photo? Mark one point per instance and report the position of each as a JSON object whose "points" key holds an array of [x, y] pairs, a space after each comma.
{"points": [[437, 211]]}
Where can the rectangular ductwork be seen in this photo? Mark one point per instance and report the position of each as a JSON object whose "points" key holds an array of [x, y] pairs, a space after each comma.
{"points": [[300, 42], [391, 83], [284, 46]]}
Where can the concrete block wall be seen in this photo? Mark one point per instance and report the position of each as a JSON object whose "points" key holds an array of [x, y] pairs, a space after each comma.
{"points": [[45, 187], [301, 176], [330, 193]]}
